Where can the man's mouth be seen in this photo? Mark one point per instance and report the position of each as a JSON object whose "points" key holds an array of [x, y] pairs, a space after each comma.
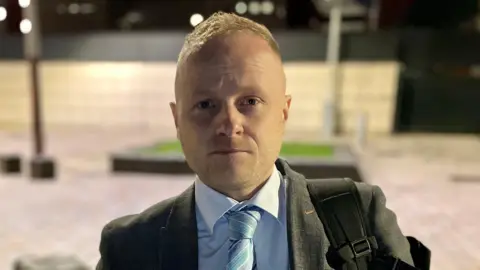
{"points": [[227, 151]]}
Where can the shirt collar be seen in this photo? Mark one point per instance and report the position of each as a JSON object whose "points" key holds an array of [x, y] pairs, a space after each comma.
{"points": [[213, 205]]}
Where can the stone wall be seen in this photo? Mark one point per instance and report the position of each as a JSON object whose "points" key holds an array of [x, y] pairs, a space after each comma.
{"points": [[136, 94]]}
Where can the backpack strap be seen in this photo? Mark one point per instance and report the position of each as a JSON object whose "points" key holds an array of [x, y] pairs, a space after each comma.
{"points": [[338, 206], [420, 253]]}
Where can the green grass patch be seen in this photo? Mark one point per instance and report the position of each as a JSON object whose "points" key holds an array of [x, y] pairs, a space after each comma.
{"points": [[289, 149]]}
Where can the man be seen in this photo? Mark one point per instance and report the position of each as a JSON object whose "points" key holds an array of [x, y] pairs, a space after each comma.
{"points": [[247, 209]]}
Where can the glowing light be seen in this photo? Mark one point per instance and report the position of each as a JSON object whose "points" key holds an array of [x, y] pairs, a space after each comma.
{"points": [[254, 7], [25, 26], [87, 8], [3, 14], [268, 8], [74, 8], [241, 8], [24, 3], [196, 19]]}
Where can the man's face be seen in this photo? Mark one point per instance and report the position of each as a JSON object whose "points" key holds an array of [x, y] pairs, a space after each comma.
{"points": [[231, 110]]}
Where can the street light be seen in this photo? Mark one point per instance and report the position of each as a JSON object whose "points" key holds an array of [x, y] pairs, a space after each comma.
{"points": [[25, 26], [195, 19], [41, 166], [333, 58], [254, 7], [24, 3], [10, 163], [241, 8], [3, 14]]}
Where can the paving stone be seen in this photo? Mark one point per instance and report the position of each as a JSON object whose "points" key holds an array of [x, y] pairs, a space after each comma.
{"points": [[67, 215]]}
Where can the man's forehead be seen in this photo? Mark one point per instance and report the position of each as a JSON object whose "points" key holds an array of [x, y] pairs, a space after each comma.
{"points": [[223, 57]]}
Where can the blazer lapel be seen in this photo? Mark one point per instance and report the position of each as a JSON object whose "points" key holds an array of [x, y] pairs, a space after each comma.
{"points": [[180, 242], [307, 241]]}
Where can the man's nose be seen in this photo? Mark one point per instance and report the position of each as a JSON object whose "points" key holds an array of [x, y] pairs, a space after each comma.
{"points": [[229, 121]]}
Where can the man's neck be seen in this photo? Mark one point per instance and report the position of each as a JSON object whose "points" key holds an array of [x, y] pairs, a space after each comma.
{"points": [[247, 191]]}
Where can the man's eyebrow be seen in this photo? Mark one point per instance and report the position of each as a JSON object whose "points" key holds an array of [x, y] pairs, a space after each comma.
{"points": [[243, 89]]}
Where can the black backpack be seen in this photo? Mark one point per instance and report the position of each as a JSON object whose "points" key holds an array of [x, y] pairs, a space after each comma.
{"points": [[354, 247]]}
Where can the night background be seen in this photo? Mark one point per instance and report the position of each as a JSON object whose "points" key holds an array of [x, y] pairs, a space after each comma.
{"points": [[393, 101]]}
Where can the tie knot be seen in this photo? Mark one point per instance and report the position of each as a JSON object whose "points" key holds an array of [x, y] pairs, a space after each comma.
{"points": [[242, 223]]}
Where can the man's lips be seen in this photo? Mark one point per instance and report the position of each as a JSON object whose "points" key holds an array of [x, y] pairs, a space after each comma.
{"points": [[227, 151]]}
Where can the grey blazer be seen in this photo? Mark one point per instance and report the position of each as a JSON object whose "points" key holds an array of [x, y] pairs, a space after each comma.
{"points": [[164, 237]]}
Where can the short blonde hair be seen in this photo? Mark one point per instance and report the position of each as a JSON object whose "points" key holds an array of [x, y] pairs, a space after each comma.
{"points": [[219, 24]]}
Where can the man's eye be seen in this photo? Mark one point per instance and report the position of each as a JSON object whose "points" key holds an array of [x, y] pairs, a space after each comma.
{"points": [[250, 102], [205, 104]]}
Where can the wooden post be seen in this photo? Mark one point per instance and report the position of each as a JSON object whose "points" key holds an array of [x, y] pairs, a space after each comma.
{"points": [[41, 167]]}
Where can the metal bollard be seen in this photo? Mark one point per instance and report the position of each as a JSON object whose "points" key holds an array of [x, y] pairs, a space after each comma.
{"points": [[10, 164], [361, 130], [52, 262], [328, 120]]}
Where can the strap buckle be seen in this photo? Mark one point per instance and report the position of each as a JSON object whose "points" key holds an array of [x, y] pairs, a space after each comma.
{"points": [[361, 247], [355, 249]]}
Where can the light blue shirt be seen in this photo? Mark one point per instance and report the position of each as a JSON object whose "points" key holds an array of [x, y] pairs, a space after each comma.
{"points": [[270, 238]]}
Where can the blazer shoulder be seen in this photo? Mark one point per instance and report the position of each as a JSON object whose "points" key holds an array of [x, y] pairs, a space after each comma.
{"points": [[157, 213], [383, 222], [128, 237], [368, 194]]}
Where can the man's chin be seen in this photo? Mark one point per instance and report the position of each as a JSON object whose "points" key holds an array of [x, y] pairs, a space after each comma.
{"points": [[231, 172], [231, 169], [230, 161]]}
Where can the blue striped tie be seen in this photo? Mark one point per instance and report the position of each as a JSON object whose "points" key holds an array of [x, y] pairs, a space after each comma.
{"points": [[242, 224]]}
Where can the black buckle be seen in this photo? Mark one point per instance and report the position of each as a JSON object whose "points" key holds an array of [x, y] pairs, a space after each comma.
{"points": [[361, 247]]}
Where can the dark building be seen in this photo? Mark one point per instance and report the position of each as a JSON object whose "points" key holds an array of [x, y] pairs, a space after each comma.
{"points": [[57, 16], [169, 15], [73, 16]]}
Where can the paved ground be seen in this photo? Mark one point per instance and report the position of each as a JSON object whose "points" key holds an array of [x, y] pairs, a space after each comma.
{"points": [[67, 215]]}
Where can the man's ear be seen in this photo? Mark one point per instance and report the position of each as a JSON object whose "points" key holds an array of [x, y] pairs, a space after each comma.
{"points": [[286, 107], [173, 108]]}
